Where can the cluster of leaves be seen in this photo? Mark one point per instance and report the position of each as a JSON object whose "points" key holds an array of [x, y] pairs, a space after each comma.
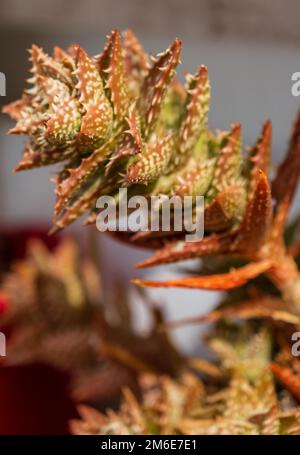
{"points": [[119, 119], [57, 314], [240, 397]]}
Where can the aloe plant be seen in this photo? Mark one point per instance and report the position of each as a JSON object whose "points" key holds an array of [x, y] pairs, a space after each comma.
{"points": [[122, 119], [116, 119]]}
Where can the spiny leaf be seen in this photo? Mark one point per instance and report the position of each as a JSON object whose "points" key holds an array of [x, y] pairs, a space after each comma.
{"points": [[45, 65], [196, 110], [180, 250], [153, 162], [113, 68], [136, 62], [78, 176], [64, 121], [255, 225], [156, 83], [97, 120], [263, 307], [259, 157], [15, 109], [227, 208], [36, 158], [224, 281], [84, 202], [286, 180], [196, 178]]}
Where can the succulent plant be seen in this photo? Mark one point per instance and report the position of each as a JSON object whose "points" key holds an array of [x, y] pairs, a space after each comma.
{"points": [[117, 120], [242, 401]]}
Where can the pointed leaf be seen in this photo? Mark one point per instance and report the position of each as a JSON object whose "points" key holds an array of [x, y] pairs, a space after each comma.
{"points": [[227, 208], [112, 69], [228, 167], [196, 179], [259, 157], [136, 62], [260, 308], [255, 225], [286, 180], [156, 84], [288, 379], [36, 158], [153, 162], [97, 120], [45, 65], [197, 105], [178, 251], [78, 176], [83, 202], [222, 282]]}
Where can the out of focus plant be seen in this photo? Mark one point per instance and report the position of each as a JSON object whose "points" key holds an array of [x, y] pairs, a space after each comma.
{"points": [[239, 397], [57, 314]]}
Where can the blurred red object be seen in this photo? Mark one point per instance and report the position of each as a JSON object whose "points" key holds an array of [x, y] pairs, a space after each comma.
{"points": [[34, 400], [3, 303], [13, 242]]}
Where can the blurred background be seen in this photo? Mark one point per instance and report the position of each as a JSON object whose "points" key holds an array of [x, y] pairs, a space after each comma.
{"points": [[251, 49]]}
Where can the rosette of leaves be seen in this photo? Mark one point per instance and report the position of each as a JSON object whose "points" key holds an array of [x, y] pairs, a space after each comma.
{"points": [[57, 314], [240, 398], [119, 119]]}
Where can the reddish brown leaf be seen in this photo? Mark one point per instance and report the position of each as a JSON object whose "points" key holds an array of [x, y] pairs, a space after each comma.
{"points": [[256, 223], [179, 251], [258, 308], [156, 83], [36, 158], [136, 61], [285, 182], [15, 108], [223, 211], [221, 282], [288, 379], [260, 156], [78, 176], [197, 105]]}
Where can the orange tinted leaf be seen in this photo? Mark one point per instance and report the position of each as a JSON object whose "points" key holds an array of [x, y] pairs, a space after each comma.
{"points": [[156, 84], [221, 282], [260, 156], [259, 308], [256, 223], [285, 182], [288, 379], [178, 251]]}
